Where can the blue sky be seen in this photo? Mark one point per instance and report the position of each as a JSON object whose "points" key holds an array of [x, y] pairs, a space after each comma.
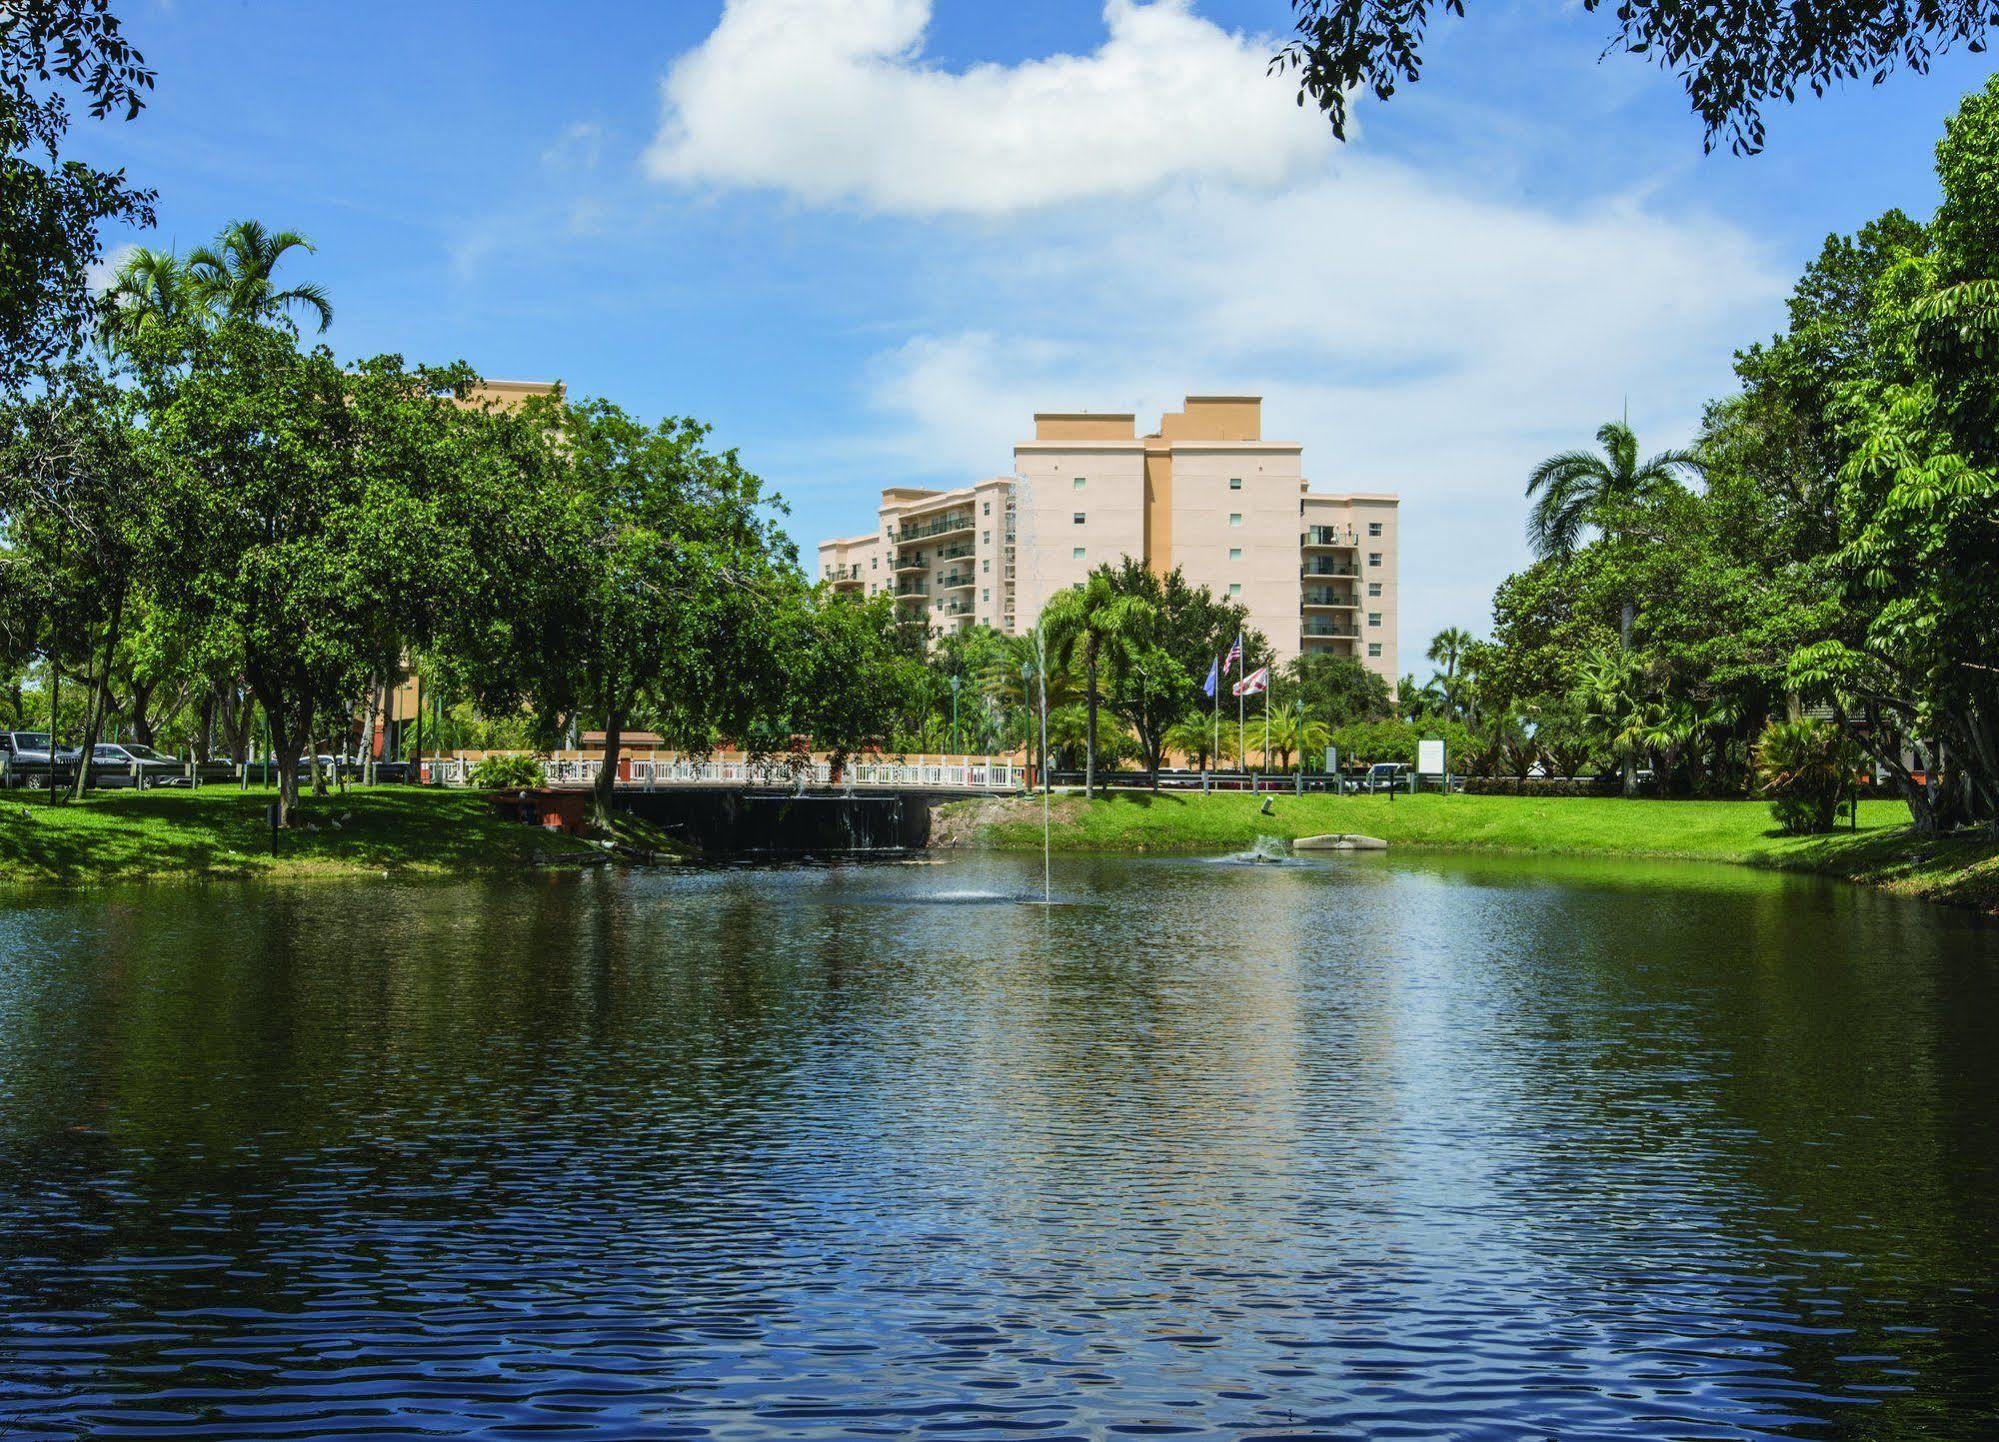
{"points": [[866, 238]]}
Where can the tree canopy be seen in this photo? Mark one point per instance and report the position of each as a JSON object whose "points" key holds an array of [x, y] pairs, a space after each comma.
{"points": [[1733, 58]]}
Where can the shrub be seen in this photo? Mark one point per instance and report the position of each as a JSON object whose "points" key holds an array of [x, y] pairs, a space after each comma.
{"points": [[1806, 770], [513, 772], [1542, 786]]}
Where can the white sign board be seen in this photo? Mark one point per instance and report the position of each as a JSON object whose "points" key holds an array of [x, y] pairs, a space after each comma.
{"points": [[1429, 758], [1332, 760]]}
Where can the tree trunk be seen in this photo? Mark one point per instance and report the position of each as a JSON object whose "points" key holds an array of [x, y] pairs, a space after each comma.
{"points": [[204, 736], [605, 787], [141, 708], [1090, 740], [100, 696], [288, 740]]}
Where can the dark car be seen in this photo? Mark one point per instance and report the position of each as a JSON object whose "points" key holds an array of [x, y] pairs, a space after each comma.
{"points": [[127, 763], [28, 757]]}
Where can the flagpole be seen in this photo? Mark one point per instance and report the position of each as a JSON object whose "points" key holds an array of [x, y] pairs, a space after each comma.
{"points": [[1218, 716]]}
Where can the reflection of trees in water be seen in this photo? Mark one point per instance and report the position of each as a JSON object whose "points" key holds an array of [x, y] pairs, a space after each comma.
{"points": [[1633, 1129], [1778, 1095]]}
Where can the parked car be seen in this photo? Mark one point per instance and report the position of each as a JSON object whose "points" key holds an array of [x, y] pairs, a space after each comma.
{"points": [[1385, 776], [127, 763], [28, 757]]}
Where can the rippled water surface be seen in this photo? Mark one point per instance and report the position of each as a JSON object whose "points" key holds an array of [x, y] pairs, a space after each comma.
{"points": [[1364, 1149]]}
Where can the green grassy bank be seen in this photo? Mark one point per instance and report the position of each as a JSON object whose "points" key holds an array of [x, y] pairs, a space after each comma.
{"points": [[221, 832], [1883, 852]]}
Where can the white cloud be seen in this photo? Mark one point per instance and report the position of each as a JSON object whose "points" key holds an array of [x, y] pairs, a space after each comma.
{"points": [[1159, 218], [100, 275], [832, 103], [579, 147], [1415, 340]]}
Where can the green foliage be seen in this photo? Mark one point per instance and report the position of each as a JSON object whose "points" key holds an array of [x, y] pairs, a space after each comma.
{"points": [[1732, 59], [512, 772], [1092, 626], [1336, 689], [1806, 770], [52, 204]]}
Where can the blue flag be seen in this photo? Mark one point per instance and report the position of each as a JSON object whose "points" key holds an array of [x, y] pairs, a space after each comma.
{"points": [[1214, 680]]}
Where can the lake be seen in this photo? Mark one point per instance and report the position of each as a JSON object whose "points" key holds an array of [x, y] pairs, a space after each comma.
{"points": [[1367, 1148]]}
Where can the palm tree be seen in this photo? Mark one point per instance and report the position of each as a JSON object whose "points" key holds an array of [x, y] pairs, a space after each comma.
{"points": [[1196, 737], [237, 273], [1612, 689], [1095, 622], [152, 287], [1295, 734], [1578, 491], [1447, 649]]}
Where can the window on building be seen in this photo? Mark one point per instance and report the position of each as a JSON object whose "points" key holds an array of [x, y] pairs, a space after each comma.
{"points": [[1374, 588], [1374, 558], [1235, 588], [1079, 483], [1079, 518], [986, 565], [1374, 649], [1374, 528], [1077, 554], [985, 538], [988, 510], [1374, 618], [1235, 553], [1235, 518], [986, 595], [1235, 483], [874, 563]]}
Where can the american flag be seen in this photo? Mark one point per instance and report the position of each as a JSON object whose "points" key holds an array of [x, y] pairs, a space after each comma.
{"points": [[1230, 661]]}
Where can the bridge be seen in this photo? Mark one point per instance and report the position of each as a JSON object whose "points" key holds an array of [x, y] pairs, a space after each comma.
{"points": [[960, 775]]}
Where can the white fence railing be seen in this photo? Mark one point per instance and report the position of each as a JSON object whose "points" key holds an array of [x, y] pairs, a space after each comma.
{"points": [[982, 773]]}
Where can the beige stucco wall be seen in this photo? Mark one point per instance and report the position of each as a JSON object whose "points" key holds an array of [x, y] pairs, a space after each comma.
{"points": [[1215, 418], [1111, 501], [1241, 543]]}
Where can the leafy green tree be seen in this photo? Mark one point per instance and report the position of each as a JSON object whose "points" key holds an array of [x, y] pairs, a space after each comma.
{"points": [[1337, 689], [312, 514], [655, 588], [52, 204], [1158, 676], [1918, 564], [73, 496], [1089, 625], [843, 674], [1732, 57]]}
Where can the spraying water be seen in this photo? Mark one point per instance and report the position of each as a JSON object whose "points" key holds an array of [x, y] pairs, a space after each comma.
{"points": [[1041, 669]]}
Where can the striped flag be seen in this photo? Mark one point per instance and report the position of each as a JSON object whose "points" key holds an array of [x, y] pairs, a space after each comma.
{"points": [[1255, 682], [1234, 658]]}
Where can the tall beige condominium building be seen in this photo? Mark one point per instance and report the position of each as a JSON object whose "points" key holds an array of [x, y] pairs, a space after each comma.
{"points": [[1205, 493]]}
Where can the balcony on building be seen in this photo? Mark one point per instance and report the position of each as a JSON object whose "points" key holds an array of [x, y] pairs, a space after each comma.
{"points": [[1330, 537], [949, 524], [1322, 598]]}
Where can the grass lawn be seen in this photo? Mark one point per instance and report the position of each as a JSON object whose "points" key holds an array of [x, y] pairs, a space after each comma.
{"points": [[220, 831], [1883, 851]]}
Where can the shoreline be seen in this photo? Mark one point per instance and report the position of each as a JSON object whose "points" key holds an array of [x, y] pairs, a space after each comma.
{"points": [[1884, 853]]}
